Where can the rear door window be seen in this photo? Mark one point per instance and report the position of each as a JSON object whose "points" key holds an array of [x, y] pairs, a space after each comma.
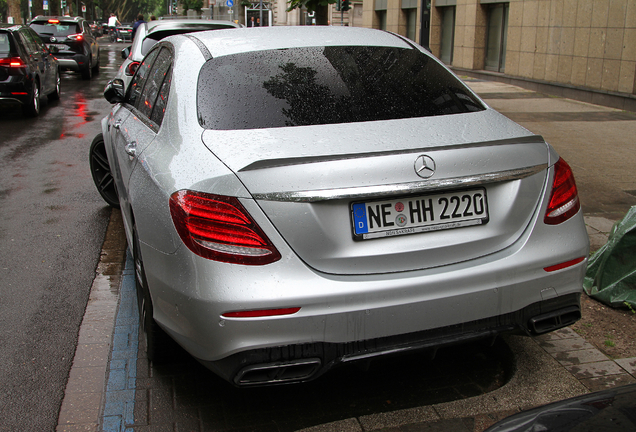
{"points": [[30, 44], [162, 99], [156, 77], [140, 78]]}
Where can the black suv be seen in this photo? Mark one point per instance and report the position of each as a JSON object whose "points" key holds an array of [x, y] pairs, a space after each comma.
{"points": [[76, 46], [28, 69]]}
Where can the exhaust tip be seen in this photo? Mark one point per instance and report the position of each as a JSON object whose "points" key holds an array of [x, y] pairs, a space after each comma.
{"points": [[554, 320], [277, 373]]}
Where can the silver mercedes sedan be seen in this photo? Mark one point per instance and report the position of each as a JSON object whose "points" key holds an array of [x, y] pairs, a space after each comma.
{"points": [[296, 198]]}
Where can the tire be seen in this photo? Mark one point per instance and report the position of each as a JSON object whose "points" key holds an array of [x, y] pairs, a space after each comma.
{"points": [[56, 93], [96, 66], [87, 73], [151, 338], [100, 170], [32, 108]]}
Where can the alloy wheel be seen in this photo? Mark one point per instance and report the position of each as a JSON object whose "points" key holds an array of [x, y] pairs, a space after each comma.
{"points": [[102, 175]]}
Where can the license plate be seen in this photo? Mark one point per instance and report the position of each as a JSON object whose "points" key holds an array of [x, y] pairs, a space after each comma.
{"points": [[410, 215], [60, 47]]}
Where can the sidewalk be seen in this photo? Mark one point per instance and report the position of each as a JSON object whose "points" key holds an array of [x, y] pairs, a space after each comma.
{"points": [[596, 141]]}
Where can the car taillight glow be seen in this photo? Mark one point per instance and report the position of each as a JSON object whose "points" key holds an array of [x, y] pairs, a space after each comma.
{"points": [[12, 62], [75, 37], [54, 21], [261, 313], [564, 199], [219, 228]]}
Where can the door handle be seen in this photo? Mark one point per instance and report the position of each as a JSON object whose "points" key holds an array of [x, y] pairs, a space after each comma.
{"points": [[117, 124], [131, 148]]}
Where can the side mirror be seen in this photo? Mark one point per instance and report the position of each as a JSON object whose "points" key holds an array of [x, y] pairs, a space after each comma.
{"points": [[126, 52], [114, 92]]}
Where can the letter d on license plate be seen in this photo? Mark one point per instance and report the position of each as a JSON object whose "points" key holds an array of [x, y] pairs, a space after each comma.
{"points": [[410, 215]]}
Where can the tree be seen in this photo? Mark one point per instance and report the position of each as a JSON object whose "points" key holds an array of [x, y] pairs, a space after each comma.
{"points": [[320, 7], [195, 5], [13, 10]]}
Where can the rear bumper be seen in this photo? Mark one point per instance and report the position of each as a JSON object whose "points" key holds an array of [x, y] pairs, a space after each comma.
{"points": [[124, 36], [16, 89], [305, 362], [362, 316], [74, 63], [14, 100]]}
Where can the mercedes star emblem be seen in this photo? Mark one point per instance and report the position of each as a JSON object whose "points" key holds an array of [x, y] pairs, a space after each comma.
{"points": [[53, 39], [424, 166]]}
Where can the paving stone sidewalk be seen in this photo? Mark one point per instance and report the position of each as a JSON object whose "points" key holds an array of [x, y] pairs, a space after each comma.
{"points": [[101, 390]]}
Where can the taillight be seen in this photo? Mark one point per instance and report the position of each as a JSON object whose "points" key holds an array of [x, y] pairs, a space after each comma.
{"points": [[131, 68], [12, 62], [75, 37], [54, 21], [219, 228], [564, 199]]}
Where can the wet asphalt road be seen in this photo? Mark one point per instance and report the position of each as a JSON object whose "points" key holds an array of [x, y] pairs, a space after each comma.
{"points": [[52, 227]]}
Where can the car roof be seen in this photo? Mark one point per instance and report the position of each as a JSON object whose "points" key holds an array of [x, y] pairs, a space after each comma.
{"points": [[11, 27], [235, 41], [162, 25], [55, 17]]}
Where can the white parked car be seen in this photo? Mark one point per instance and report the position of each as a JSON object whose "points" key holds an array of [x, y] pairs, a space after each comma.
{"points": [[300, 197], [149, 33]]}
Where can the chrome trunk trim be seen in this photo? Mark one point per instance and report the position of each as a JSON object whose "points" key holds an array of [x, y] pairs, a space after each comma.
{"points": [[374, 192]]}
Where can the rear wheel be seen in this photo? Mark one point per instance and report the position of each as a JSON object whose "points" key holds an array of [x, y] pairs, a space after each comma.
{"points": [[56, 92], [96, 66], [87, 73], [32, 107], [100, 170], [152, 337]]}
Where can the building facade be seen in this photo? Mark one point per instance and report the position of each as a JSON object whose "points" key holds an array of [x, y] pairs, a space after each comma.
{"points": [[580, 43], [409, 18]]}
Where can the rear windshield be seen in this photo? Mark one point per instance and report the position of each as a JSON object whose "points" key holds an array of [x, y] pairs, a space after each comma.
{"points": [[5, 43], [59, 29], [325, 85]]}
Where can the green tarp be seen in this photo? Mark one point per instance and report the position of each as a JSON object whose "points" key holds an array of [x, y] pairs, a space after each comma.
{"points": [[611, 271]]}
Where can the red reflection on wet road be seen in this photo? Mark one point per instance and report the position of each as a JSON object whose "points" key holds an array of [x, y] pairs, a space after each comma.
{"points": [[79, 113]]}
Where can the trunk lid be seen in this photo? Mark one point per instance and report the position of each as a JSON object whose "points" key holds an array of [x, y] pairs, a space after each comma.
{"points": [[306, 179]]}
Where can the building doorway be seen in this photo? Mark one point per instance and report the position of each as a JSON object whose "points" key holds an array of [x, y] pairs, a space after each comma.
{"points": [[497, 37], [448, 34]]}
